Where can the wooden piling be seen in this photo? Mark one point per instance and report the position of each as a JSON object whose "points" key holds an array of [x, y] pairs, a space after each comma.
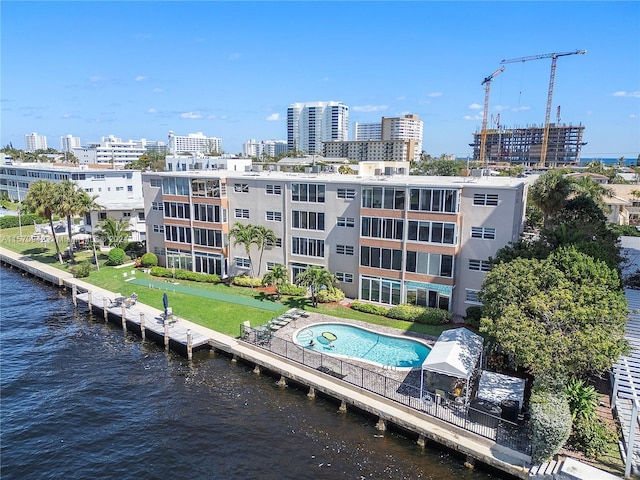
{"points": [[124, 318], [189, 345], [74, 295], [142, 329], [381, 426], [166, 333], [343, 407], [105, 309], [256, 369], [89, 300], [312, 393], [282, 382], [421, 441]]}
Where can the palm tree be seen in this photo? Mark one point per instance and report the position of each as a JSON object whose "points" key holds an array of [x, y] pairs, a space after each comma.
{"points": [[244, 235], [42, 198], [315, 278], [277, 276], [589, 188], [86, 204], [549, 193], [112, 232], [67, 191], [261, 237]]}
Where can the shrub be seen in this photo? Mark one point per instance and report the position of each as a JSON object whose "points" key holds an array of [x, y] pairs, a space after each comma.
{"points": [[116, 257], [81, 270], [550, 424], [149, 260], [11, 221], [292, 290], [474, 314], [369, 308], [181, 274], [246, 281], [591, 437], [327, 295], [135, 249], [434, 316], [583, 400], [405, 311]]}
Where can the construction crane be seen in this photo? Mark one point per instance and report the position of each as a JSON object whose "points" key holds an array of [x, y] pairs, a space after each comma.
{"points": [[483, 138], [554, 58]]}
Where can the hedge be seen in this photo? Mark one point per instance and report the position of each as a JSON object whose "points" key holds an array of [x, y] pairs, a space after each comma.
{"points": [[550, 424], [15, 221], [149, 260], [116, 257], [292, 290], [474, 314], [180, 274], [369, 308], [329, 295], [416, 313], [246, 281]]}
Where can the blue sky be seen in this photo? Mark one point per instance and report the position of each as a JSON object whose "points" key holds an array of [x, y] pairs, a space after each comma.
{"points": [[230, 69]]}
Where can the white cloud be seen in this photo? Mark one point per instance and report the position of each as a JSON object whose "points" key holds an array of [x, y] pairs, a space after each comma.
{"points": [[475, 106], [95, 78], [401, 97], [370, 108], [472, 117], [192, 115], [500, 108], [211, 117], [152, 110], [140, 78], [273, 117], [622, 93], [523, 108], [234, 56], [633, 115], [435, 94], [158, 90]]}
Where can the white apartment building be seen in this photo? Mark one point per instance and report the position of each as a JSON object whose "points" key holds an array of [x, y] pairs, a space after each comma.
{"points": [[119, 192], [33, 142], [199, 161], [367, 131], [193, 143], [109, 151], [370, 150], [388, 239], [68, 143], [259, 148], [310, 124], [408, 127]]}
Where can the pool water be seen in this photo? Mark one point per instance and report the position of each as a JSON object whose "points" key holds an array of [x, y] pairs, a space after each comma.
{"points": [[341, 339]]}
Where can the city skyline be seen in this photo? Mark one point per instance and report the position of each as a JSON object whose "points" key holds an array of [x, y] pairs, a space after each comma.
{"points": [[231, 69]]}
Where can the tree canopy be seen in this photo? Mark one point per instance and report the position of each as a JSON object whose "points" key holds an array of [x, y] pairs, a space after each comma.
{"points": [[562, 316]]}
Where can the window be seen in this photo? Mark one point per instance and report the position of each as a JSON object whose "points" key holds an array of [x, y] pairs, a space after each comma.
{"points": [[174, 233], [271, 265], [119, 189], [434, 264], [204, 212], [307, 220], [376, 227], [241, 213], [126, 214], [483, 232], [141, 216], [344, 277], [158, 229], [88, 190], [177, 210], [347, 193], [344, 249], [102, 215], [175, 186], [307, 192], [376, 257], [485, 199], [479, 265], [433, 232], [274, 216], [243, 262], [129, 188], [273, 189], [471, 296], [155, 182], [309, 247], [427, 297], [433, 200], [207, 237], [241, 187], [211, 188], [346, 222], [383, 197], [380, 290]]}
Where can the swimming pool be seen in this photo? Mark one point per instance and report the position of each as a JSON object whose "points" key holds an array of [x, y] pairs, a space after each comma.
{"points": [[341, 339]]}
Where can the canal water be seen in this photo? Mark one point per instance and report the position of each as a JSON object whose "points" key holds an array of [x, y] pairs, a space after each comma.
{"points": [[81, 399]]}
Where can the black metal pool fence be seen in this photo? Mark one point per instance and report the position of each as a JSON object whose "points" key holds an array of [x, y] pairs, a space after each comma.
{"points": [[473, 417]]}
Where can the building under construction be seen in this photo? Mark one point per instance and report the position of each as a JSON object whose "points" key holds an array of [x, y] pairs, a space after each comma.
{"points": [[523, 146]]}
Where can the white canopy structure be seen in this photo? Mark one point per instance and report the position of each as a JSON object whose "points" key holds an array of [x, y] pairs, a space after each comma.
{"points": [[455, 354], [496, 387]]}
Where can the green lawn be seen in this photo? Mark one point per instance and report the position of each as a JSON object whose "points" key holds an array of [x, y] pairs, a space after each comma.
{"points": [[220, 316]]}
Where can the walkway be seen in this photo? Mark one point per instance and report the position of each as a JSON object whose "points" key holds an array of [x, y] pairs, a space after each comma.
{"points": [[199, 292]]}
